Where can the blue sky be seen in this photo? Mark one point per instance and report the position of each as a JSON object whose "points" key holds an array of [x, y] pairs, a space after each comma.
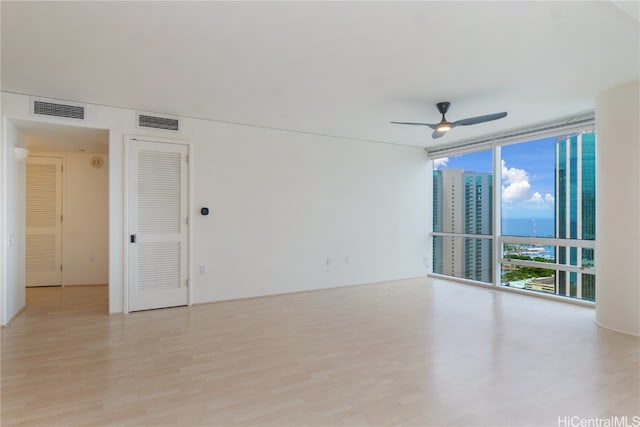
{"points": [[528, 176]]}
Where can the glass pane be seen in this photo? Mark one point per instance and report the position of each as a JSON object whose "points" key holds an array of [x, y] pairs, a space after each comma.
{"points": [[561, 176], [463, 194], [567, 255], [578, 257], [540, 279], [576, 285], [530, 278], [588, 287], [464, 258], [588, 186], [549, 188], [528, 252], [528, 189]]}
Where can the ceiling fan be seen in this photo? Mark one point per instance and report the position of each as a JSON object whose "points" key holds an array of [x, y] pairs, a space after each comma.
{"points": [[439, 129]]}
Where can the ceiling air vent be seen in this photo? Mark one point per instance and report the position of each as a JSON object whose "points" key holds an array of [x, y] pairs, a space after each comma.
{"points": [[57, 109], [155, 122]]}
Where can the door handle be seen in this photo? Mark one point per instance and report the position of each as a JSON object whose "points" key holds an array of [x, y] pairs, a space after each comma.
{"points": [[133, 238]]}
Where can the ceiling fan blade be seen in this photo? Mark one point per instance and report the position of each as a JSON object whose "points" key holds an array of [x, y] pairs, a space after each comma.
{"points": [[479, 119], [431, 125], [436, 134]]}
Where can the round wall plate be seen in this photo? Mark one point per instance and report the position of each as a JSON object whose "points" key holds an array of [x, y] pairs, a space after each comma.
{"points": [[96, 162]]}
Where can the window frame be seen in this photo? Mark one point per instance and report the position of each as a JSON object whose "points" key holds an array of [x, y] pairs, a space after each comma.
{"points": [[583, 123]]}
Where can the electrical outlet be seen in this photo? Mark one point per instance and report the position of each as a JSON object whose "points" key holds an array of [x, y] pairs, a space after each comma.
{"points": [[203, 269], [328, 262]]}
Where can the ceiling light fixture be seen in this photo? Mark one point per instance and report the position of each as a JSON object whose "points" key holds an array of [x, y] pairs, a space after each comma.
{"points": [[443, 127]]}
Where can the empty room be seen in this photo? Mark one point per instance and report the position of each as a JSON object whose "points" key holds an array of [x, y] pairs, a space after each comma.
{"points": [[320, 213]]}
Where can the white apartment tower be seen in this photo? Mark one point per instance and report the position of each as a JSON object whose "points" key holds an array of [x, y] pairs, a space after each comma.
{"points": [[463, 205]]}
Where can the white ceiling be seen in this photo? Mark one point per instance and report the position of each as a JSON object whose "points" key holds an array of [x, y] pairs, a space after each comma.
{"points": [[334, 68]]}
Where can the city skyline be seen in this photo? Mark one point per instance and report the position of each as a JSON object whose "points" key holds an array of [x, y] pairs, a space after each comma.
{"points": [[463, 204], [528, 178]]}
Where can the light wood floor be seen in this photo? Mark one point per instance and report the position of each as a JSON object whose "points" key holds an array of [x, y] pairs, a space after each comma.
{"points": [[417, 352]]}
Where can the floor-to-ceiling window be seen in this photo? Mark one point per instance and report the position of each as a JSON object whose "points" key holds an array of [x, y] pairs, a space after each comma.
{"points": [[463, 216], [540, 194], [528, 209]]}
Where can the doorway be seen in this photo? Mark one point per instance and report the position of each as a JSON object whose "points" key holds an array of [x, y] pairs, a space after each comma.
{"points": [[77, 201]]}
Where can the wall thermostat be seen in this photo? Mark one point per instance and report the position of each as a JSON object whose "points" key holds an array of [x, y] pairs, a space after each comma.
{"points": [[204, 211]]}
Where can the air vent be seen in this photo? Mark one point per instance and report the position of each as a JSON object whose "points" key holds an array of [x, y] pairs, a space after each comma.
{"points": [[155, 122], [43, 108]]}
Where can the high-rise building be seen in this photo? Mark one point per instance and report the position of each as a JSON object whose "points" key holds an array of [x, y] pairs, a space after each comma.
{"points": [[462, 204], [576, 211], [437, 220]]}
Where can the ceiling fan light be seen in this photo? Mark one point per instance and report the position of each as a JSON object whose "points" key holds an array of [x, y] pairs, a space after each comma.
{"points": [[443, 127]]}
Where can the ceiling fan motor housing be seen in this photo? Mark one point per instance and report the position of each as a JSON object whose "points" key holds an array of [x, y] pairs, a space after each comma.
{"points": [[443, 107]]}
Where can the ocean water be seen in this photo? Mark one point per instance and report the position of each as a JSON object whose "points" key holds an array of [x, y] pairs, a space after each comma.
{"points": [[533, 227], [525, 227]]}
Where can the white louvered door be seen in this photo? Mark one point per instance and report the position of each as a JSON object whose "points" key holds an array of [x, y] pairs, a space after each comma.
{"points": [[43, 257], [157, 225]]}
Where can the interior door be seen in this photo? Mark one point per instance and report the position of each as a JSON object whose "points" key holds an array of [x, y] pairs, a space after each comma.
{"points": [[43, 256], [158, 178]]}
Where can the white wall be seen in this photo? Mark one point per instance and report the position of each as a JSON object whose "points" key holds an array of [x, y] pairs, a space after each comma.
{"points": [[13, 275], [282, 203], [85, 252], [618, 210]]}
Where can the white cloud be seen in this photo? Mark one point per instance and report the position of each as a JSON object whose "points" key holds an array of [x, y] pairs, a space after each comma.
{"points": [[537, 198], [440, 162], [516, 187], [516, 192], [513, 174]]}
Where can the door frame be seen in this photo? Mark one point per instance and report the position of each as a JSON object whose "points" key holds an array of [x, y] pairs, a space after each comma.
{"points": [[128, 139], [12, 113]]}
